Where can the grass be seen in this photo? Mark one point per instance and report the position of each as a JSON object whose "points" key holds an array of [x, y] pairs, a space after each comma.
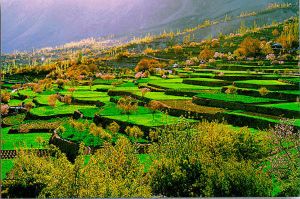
{"points": [[293, 106], [263, 82], [43, 100], [86, 94], [89, 112], [235, 98], [295, 92], [160, 119], [26, 140], [14, 119], [111, 109], [59, 110], [88, 88], [145, 160], [206, 79], [84, 136], [14, 102], [6, 166], [181, 86], [28, 92]]}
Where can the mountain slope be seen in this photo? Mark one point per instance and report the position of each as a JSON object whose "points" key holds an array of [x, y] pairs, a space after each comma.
{"points": [[36, 23]]}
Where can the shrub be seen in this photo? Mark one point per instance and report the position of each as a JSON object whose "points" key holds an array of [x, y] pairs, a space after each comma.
{"points": [[28, 106], [153, 135], [263, 91], [134, 132], [113, 127], [231, 90]]}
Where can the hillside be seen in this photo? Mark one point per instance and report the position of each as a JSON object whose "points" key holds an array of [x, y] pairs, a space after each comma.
{"points": [[35, 24]]}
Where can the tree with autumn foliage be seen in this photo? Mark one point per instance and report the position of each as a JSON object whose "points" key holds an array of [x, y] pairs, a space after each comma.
{"points": [[289, 37], [206, 54], [147, 64], [248, 47], [52, 99], [4, 109], [127, 104], [154, 105], [5, 96]]}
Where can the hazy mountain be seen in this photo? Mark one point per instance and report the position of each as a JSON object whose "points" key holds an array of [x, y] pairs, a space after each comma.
{"points": [[39, 23]]}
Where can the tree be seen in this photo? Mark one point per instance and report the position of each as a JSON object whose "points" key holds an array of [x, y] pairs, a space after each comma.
{"points": [[177, 49], [79, 58], [208, 159], [154, 105], [127, 105], [286, 157], [28, 106], [60, 83], [113, 171], [4, 109], [266, 48], [289, 37], [72, 90], [144, 91], [52, 99], [16, 87], [206, 54], [107, 77], [275, 32], [5, 96], [37, 88], [147, 64], [249, 47]]}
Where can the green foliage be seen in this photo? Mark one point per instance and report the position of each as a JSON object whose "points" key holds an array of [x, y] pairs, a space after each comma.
{"points": [[113, 171], [208, 160]]}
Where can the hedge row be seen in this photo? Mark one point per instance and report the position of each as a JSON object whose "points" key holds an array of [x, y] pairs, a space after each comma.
{"points": [[246, 107], [271, 94], [206, 83], [269, 87], [245, 77]]}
